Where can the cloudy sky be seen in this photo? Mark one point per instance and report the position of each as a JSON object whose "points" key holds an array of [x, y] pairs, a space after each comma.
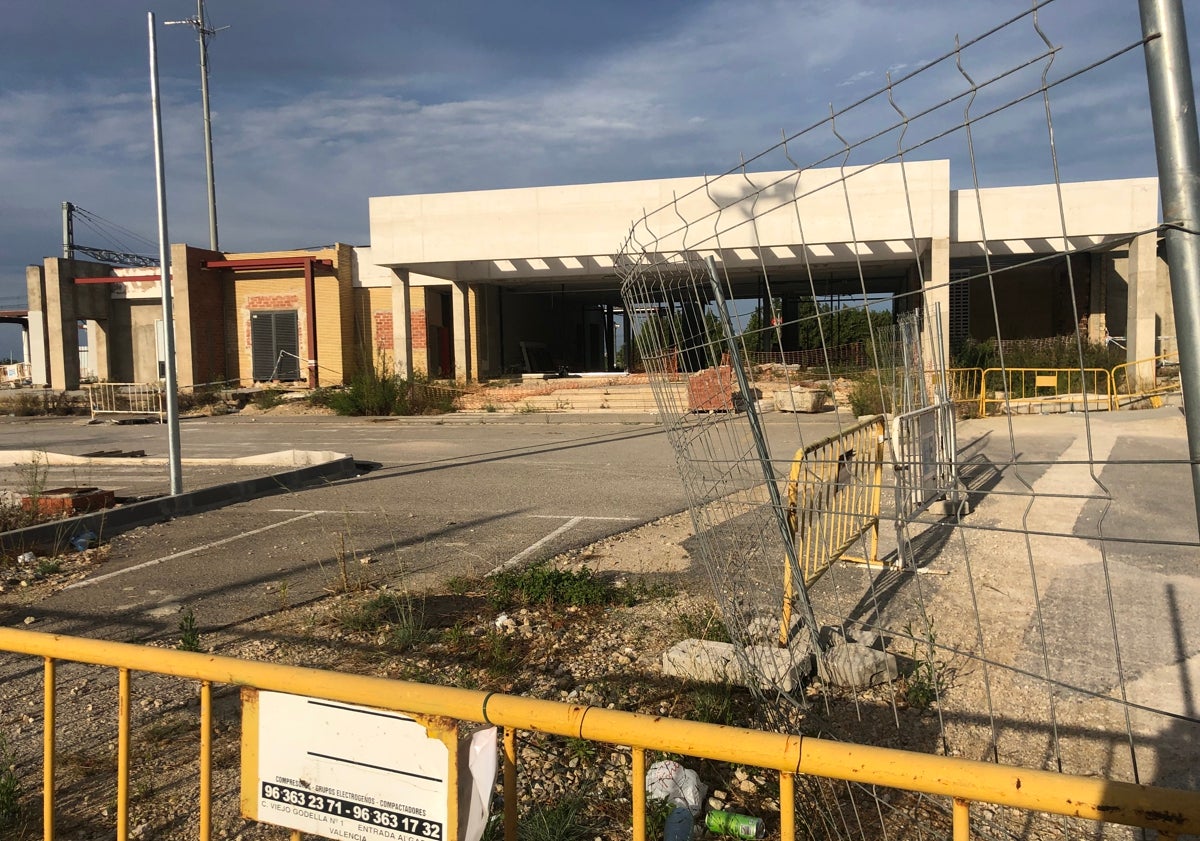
{"points": [[318, 105]]}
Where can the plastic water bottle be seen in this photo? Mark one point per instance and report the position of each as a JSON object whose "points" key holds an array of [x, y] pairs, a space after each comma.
{"points": [[679, 825]]}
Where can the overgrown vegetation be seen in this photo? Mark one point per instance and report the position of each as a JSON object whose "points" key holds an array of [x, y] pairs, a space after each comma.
{"points": [[375, 391], [564, 820], [929, 678], [13, 515], [208, 396], [268, 399], [543, 585], [703, 624], [400, 615], [868, 394], [10, 789], [1055, 352], [35, 402], [20, 508]]}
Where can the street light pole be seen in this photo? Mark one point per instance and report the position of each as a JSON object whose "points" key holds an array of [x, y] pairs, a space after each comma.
{"points": [[174, 460], [204, 33]]}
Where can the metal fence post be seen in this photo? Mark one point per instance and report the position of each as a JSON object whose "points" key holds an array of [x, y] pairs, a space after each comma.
{"points": [[1173, 108]]}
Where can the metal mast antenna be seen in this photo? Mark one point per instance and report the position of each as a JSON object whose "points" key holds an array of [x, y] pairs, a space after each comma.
{"points": [[204, 32]]}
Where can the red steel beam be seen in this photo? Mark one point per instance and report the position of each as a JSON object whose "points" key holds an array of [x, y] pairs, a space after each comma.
{"points": [[126, 279], [310, 304], [251, 263]]}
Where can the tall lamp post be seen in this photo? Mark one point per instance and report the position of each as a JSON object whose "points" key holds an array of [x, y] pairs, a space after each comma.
{"points": [[204, 32]]}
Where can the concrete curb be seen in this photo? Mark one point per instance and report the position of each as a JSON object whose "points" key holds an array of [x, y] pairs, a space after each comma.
{"points": [[51, 537], [458, 418], [280, 458]]}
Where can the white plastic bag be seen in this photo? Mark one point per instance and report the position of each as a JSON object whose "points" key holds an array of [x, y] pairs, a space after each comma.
{"points": [[668, 780]]}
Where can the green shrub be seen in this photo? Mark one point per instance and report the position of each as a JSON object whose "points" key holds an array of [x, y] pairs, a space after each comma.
{"points": [[373, 391], [867, 394], [268, 399], [541, 584], [322, 397]]}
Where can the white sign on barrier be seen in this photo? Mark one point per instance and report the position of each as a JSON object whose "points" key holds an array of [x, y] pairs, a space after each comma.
{"points": [[347, 772]]}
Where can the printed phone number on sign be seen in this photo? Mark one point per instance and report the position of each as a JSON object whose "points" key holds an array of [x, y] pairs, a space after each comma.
{"points": [[372, 815]]}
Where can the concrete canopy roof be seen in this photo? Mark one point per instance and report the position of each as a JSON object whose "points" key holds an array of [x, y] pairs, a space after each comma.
{"points": [[814, 226]]}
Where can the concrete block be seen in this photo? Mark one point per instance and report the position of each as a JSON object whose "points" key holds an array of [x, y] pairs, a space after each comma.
{"points": [[800, 399], [718, 662], [854, 666]]}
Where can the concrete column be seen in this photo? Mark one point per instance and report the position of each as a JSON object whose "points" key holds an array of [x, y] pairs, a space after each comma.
{"points": [[790, 333], [1141, 327], [627, 338], [936, 295], [477, 337], [61, 330], [97, 333], [1098, 299], [182, 265], [25, 342], [38, 353], [460, 309], [402, 349]]}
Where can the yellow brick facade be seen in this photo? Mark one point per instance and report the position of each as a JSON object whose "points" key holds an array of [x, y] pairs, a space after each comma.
{"points": [[284, 289]]}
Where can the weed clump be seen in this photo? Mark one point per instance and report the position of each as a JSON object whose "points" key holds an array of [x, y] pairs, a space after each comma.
{"points": [[543, 585], [189, 632], [400, 615], [10, 789]]}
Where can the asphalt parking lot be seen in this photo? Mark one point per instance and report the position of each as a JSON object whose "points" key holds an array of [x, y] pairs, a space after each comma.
{"points": [[439, 499]]}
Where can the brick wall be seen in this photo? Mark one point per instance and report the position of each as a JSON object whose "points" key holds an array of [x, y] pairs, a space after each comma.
{"points": [[207, 303], [382, 331], [273, 302]]}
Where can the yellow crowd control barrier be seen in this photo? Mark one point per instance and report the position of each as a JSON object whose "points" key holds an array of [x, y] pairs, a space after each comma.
{"points": [[963, 385], [1131, 384], [832, 500], [1025, 389], [1171, 812]]}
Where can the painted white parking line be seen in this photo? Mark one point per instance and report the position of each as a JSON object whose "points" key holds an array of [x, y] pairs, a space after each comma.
{"points": [[571, 522], [90, 581], [316, 511], [567, 517]]}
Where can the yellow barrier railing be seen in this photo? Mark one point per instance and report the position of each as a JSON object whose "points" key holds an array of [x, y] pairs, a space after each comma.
{"points": [[1169, 811], [832, 500], [1130, 386], [126, 399], [963, 385], [1028, 387]]}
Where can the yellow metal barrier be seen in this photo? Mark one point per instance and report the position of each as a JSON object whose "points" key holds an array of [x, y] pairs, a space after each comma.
{"points": [[832, 500], [1129, 388], [963, 385], [964, 781], [1022, 390]]}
